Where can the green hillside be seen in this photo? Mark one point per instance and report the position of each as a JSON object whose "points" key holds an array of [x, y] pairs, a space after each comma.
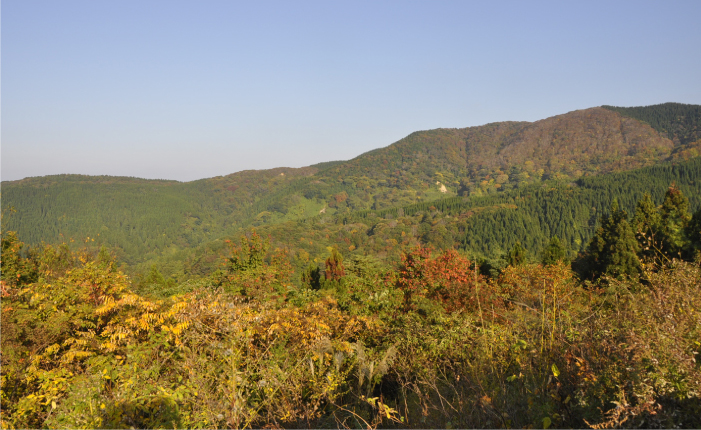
{"points": [[488, 277], [482, 180], [140, 218], [484, 227]]}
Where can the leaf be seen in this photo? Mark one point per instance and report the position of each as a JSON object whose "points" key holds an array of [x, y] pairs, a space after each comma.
{"points": [[556, 371], [546, 422]]}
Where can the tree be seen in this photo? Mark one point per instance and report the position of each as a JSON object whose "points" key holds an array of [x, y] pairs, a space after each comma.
{"points": [[647, 224], [312, 276], [334, 266], [517, 255], [449, 280], [554, 252], [252, 273], [15, 270], [613, 249], [693, 232], [249, 255], [674, 218]]}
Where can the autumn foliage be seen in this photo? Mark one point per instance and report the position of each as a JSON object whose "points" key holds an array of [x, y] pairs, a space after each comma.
{"points": [[430, 343]]}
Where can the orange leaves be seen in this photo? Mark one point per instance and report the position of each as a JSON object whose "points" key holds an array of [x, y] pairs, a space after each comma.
{"points": [[308, 325], [334, 266], [449, 279]]}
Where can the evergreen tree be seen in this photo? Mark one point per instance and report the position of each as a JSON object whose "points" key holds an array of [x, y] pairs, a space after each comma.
{"points": [[554, 252], [517, 255], [693, 233], [312, 276], [647, 224], [674, 217], [154, 277], [613, 249]]}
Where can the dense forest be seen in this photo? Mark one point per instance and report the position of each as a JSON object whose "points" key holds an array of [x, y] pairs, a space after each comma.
{"points": [[515, 274], [680, 122], [429, 342], [149, 222]]}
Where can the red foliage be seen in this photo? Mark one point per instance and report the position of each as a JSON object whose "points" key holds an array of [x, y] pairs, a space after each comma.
{"points": [[450, 279], [341, 197], [334, 266]]}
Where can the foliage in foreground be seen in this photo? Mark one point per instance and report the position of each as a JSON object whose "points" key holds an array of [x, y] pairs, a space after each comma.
{"points": [[428, 344]]}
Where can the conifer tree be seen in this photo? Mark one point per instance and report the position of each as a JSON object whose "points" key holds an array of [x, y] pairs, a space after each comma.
{"points": [[647, 224], [334, 266], [613, 249], [154, 277], [693, 233], [517, 255], [554, 252], [312, 276], [674, 217]]}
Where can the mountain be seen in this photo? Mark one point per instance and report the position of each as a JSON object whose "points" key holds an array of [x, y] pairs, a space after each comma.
{"points": [[679, 122], [154, 220], [484, 227], [504, 155], [140, 218]]}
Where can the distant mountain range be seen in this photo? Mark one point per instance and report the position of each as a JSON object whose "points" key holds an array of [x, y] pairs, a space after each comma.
{"points": [[172, 223]]}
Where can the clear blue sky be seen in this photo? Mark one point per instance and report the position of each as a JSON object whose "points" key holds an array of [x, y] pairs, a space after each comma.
{"points": [[192, 89]]}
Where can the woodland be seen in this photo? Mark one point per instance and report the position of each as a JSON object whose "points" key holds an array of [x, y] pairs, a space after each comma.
{"points": [[512, 275]]}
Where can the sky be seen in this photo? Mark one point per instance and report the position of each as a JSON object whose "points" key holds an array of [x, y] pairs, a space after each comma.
{"points": [[194, 89]]}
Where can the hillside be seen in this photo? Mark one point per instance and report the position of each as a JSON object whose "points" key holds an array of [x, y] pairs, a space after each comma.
{"points": [[360, 338], [487, 277], [138, 218], [679, 122], [427, 342], [151, 220], [485, 227], [505, 155]]}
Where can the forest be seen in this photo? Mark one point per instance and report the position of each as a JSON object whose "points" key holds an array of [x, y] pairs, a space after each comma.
{"points": [[459, 278], [610, 340], [147, 222]]}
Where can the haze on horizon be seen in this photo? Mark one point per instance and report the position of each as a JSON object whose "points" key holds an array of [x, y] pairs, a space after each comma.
{"points": [[188, 90]]}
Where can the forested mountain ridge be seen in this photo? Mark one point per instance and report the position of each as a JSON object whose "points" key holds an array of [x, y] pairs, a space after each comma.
{"points": [[429, 340], [138, 217], [485, 227], [367, 293], [149, 219], [679, 122], [499, 156]]}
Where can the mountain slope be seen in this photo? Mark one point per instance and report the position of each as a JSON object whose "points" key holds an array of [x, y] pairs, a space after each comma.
{"points": [[139, 218], [145, 219], [486, 227], [679, 122], [584, 142]]}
